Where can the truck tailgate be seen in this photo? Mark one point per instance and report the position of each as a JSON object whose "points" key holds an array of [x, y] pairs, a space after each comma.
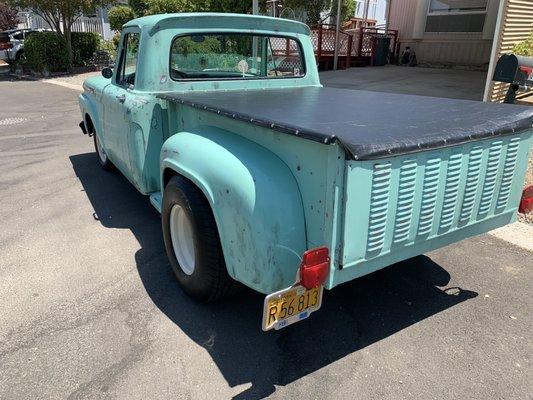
{"points": [[400, 207]]}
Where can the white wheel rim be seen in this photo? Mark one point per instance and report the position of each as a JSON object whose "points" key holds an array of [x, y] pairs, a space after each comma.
{"points": [[100, 150], [181, 234]]}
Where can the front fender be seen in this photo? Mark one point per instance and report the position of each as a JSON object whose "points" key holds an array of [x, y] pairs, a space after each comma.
{"points": [[255, 200]]}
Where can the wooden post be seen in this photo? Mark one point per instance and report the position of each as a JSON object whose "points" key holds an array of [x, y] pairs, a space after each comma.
{"points": [[360, 49], [349, 54], [319, 44], [337, 30]]}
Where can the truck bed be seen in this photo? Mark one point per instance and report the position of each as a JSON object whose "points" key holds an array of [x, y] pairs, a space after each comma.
{"points": [[368, 125]]}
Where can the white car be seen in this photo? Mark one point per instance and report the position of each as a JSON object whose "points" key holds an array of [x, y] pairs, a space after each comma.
{"points": [[12, 43]]}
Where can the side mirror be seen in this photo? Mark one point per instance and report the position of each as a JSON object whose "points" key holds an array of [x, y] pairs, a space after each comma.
{"points": [[107, 73]]}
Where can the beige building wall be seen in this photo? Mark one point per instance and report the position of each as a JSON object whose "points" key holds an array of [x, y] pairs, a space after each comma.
{"points": [[514, 25], [409, 18]]}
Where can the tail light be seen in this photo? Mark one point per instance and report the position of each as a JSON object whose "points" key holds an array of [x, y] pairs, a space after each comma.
{"points": [[526, 203], [314, 268], [6, 46]]}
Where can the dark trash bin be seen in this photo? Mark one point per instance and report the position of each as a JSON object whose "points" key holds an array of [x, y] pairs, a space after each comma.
{"points": [[381, 46]]}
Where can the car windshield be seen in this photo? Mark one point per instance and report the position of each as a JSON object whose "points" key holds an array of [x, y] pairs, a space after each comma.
{"points": [[235, 56]]}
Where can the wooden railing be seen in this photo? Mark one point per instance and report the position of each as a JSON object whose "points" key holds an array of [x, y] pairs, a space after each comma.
{"points": [[354, 44]]}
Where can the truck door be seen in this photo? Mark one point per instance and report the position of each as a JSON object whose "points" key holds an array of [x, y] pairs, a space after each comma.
{"points": [[117, 101]]}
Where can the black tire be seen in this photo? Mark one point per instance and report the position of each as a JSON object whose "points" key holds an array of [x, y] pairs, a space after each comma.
{"points": [[20, 57], [106, 164], [209, 280]]}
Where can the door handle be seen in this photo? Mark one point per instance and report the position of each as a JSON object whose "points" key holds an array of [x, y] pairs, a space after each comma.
{"points": [[121, 98]]}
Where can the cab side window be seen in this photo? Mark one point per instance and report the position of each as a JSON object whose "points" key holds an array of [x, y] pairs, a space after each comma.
{"points": [[128, 61]]}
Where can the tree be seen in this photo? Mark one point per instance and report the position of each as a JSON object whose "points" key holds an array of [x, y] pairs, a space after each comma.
{"points": [[316, 8], [8, 17], [149, 7], [313, 8], [119, 15], [139, 6], [61, 14]]}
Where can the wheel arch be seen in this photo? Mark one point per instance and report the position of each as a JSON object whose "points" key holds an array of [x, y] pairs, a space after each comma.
{"points": [[90, 114], [254, 198], [89, 125]]}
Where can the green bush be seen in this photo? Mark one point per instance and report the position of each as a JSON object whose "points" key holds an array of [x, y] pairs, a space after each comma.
{"points": [[110, 47], [46, 50], [119, 15], [524, 48], [84, 45]]}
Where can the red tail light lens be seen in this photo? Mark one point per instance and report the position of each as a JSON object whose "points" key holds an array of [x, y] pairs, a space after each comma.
{"points": [[526, 203], [314, 268], [6, 46]]}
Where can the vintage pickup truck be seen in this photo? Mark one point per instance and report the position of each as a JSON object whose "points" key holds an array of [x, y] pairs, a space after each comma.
{"points": [[265, 177]]}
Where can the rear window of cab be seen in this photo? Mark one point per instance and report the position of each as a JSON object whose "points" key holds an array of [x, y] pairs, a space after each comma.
{"points": [[235, 56]]}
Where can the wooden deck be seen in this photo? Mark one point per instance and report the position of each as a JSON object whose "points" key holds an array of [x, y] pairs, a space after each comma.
{"points": [[356, 46]]}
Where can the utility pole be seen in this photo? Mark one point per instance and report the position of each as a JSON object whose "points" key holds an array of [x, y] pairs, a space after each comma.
{"points": [[387, 16], [337, 30], [365, 12], [255, 42]]}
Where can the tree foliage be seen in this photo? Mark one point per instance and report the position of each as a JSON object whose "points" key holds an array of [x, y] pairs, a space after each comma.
{"points": [[315, 9], [8, 17], [524, 48], [119, 15], [149, 7]]}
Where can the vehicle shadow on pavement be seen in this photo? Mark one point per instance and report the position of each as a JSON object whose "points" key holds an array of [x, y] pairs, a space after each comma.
{"points": [[353, 315]]}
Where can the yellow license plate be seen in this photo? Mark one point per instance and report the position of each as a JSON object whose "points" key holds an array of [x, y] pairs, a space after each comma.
{"points": [[290, 305]]}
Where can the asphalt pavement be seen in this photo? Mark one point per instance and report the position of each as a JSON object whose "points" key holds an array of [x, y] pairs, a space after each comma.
{"points": [[90, 308]]}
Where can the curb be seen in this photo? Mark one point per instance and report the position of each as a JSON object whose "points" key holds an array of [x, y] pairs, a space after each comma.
{"points": [[518, 233], [52, 81]]}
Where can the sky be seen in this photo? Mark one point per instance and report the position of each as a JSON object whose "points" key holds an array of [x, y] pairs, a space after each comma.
{"points": [[380, 10]]}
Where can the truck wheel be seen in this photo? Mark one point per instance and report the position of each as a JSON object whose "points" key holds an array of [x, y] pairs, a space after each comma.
{"points": [[192, 242], [20, 57], [102, 155]]}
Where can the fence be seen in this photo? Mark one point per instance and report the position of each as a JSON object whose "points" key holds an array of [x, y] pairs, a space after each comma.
{"points": [[82, 24]]}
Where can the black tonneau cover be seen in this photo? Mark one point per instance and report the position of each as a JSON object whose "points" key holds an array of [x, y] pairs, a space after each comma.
{"points": [[368, 124]]}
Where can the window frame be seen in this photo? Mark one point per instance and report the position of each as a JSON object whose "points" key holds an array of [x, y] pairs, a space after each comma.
{"points": [[122, 57], [430, 13], [460, 12], [213, 33]]}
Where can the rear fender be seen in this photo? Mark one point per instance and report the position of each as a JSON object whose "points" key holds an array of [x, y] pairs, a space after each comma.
{"points": [[255, 200]]}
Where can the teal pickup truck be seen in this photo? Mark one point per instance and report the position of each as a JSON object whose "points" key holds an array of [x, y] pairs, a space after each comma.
{"points": [[264, 177]]}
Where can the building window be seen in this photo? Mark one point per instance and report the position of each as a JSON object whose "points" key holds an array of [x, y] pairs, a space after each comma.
{"points": [[456, 15]]}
